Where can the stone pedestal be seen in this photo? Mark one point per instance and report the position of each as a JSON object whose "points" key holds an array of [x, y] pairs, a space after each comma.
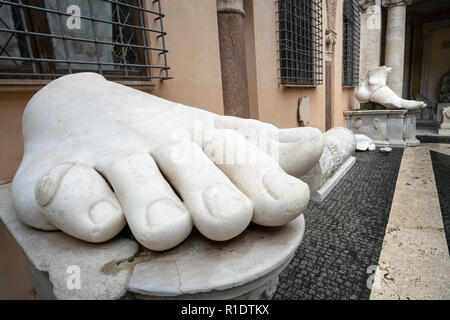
{"points": [[246, 267], [439, 108], [395, 42], [444, 126], [409, 131], [372, 123], [395, 128], [384, 127], [444, 129]]}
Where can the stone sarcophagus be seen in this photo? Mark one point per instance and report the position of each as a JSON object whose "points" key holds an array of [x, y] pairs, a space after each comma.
{"points": [[394, 128]]}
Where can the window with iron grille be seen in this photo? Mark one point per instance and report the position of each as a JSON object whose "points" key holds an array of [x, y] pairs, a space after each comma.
{"points": [[45, 39], [300, 42], [350, 57]]}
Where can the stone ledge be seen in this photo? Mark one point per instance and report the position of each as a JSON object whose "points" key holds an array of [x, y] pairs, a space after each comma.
{"points": [[375, 112], [320, 194], [24, 85]]}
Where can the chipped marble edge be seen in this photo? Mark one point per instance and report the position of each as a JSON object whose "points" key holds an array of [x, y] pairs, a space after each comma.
{"points": [[233, 292], [264, 271], [34, 243]]}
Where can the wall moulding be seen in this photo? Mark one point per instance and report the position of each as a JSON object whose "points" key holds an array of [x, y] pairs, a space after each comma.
{"points": [[365, 4], [231, 6], [396, 3]]}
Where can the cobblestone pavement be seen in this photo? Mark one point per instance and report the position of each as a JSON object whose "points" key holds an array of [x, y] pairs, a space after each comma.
{"points": [[441, 168], [344, 233]]}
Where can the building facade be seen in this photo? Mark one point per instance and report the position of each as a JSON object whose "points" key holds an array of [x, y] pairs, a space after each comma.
{"points": [[247, 58]]}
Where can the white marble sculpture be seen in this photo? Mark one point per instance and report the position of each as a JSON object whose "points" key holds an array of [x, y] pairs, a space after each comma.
{"points": [[339, 147], [99, 155], [374, 89], [444, 126], [364, 143]]}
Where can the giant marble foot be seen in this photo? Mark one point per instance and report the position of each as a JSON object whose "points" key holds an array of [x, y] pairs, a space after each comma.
{"points": [[374, 89], [99, 155]]}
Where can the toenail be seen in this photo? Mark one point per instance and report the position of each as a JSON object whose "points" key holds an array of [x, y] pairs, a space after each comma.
{"points": [[102, 211], [220, 200], [163, 211], [48, 185], [277, 183]]}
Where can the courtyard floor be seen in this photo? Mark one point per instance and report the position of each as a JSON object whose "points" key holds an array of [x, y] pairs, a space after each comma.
{"points": [[380, 233]]}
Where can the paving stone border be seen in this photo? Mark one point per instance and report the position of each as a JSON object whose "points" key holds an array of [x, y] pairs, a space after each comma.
{"points": [[433, 139], [441, 168], [344, 233]]}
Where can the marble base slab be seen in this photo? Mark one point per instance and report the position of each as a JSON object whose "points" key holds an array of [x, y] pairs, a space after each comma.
{"points": [[396, 143], [246, 267], [320, 194], [409, 128]]}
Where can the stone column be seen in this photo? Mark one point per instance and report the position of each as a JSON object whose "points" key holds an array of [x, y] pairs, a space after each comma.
{"points": [[330, 42], [395, 42], [230, 17], [370, 36]]}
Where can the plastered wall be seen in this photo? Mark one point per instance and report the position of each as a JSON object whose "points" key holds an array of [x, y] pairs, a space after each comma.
{"points": [[12, 105], [268, 100], [277, 105], [194, 58], [343, 97], [439, 61]]}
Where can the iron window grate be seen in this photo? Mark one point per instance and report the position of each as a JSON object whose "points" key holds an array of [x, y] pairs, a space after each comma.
{"points": [[300, 42], [45, 39], [351, 43]]}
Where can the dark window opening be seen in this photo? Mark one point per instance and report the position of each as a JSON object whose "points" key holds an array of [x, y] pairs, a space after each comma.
{"points": [[300, 42], [351, 36], [45, 39]]}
